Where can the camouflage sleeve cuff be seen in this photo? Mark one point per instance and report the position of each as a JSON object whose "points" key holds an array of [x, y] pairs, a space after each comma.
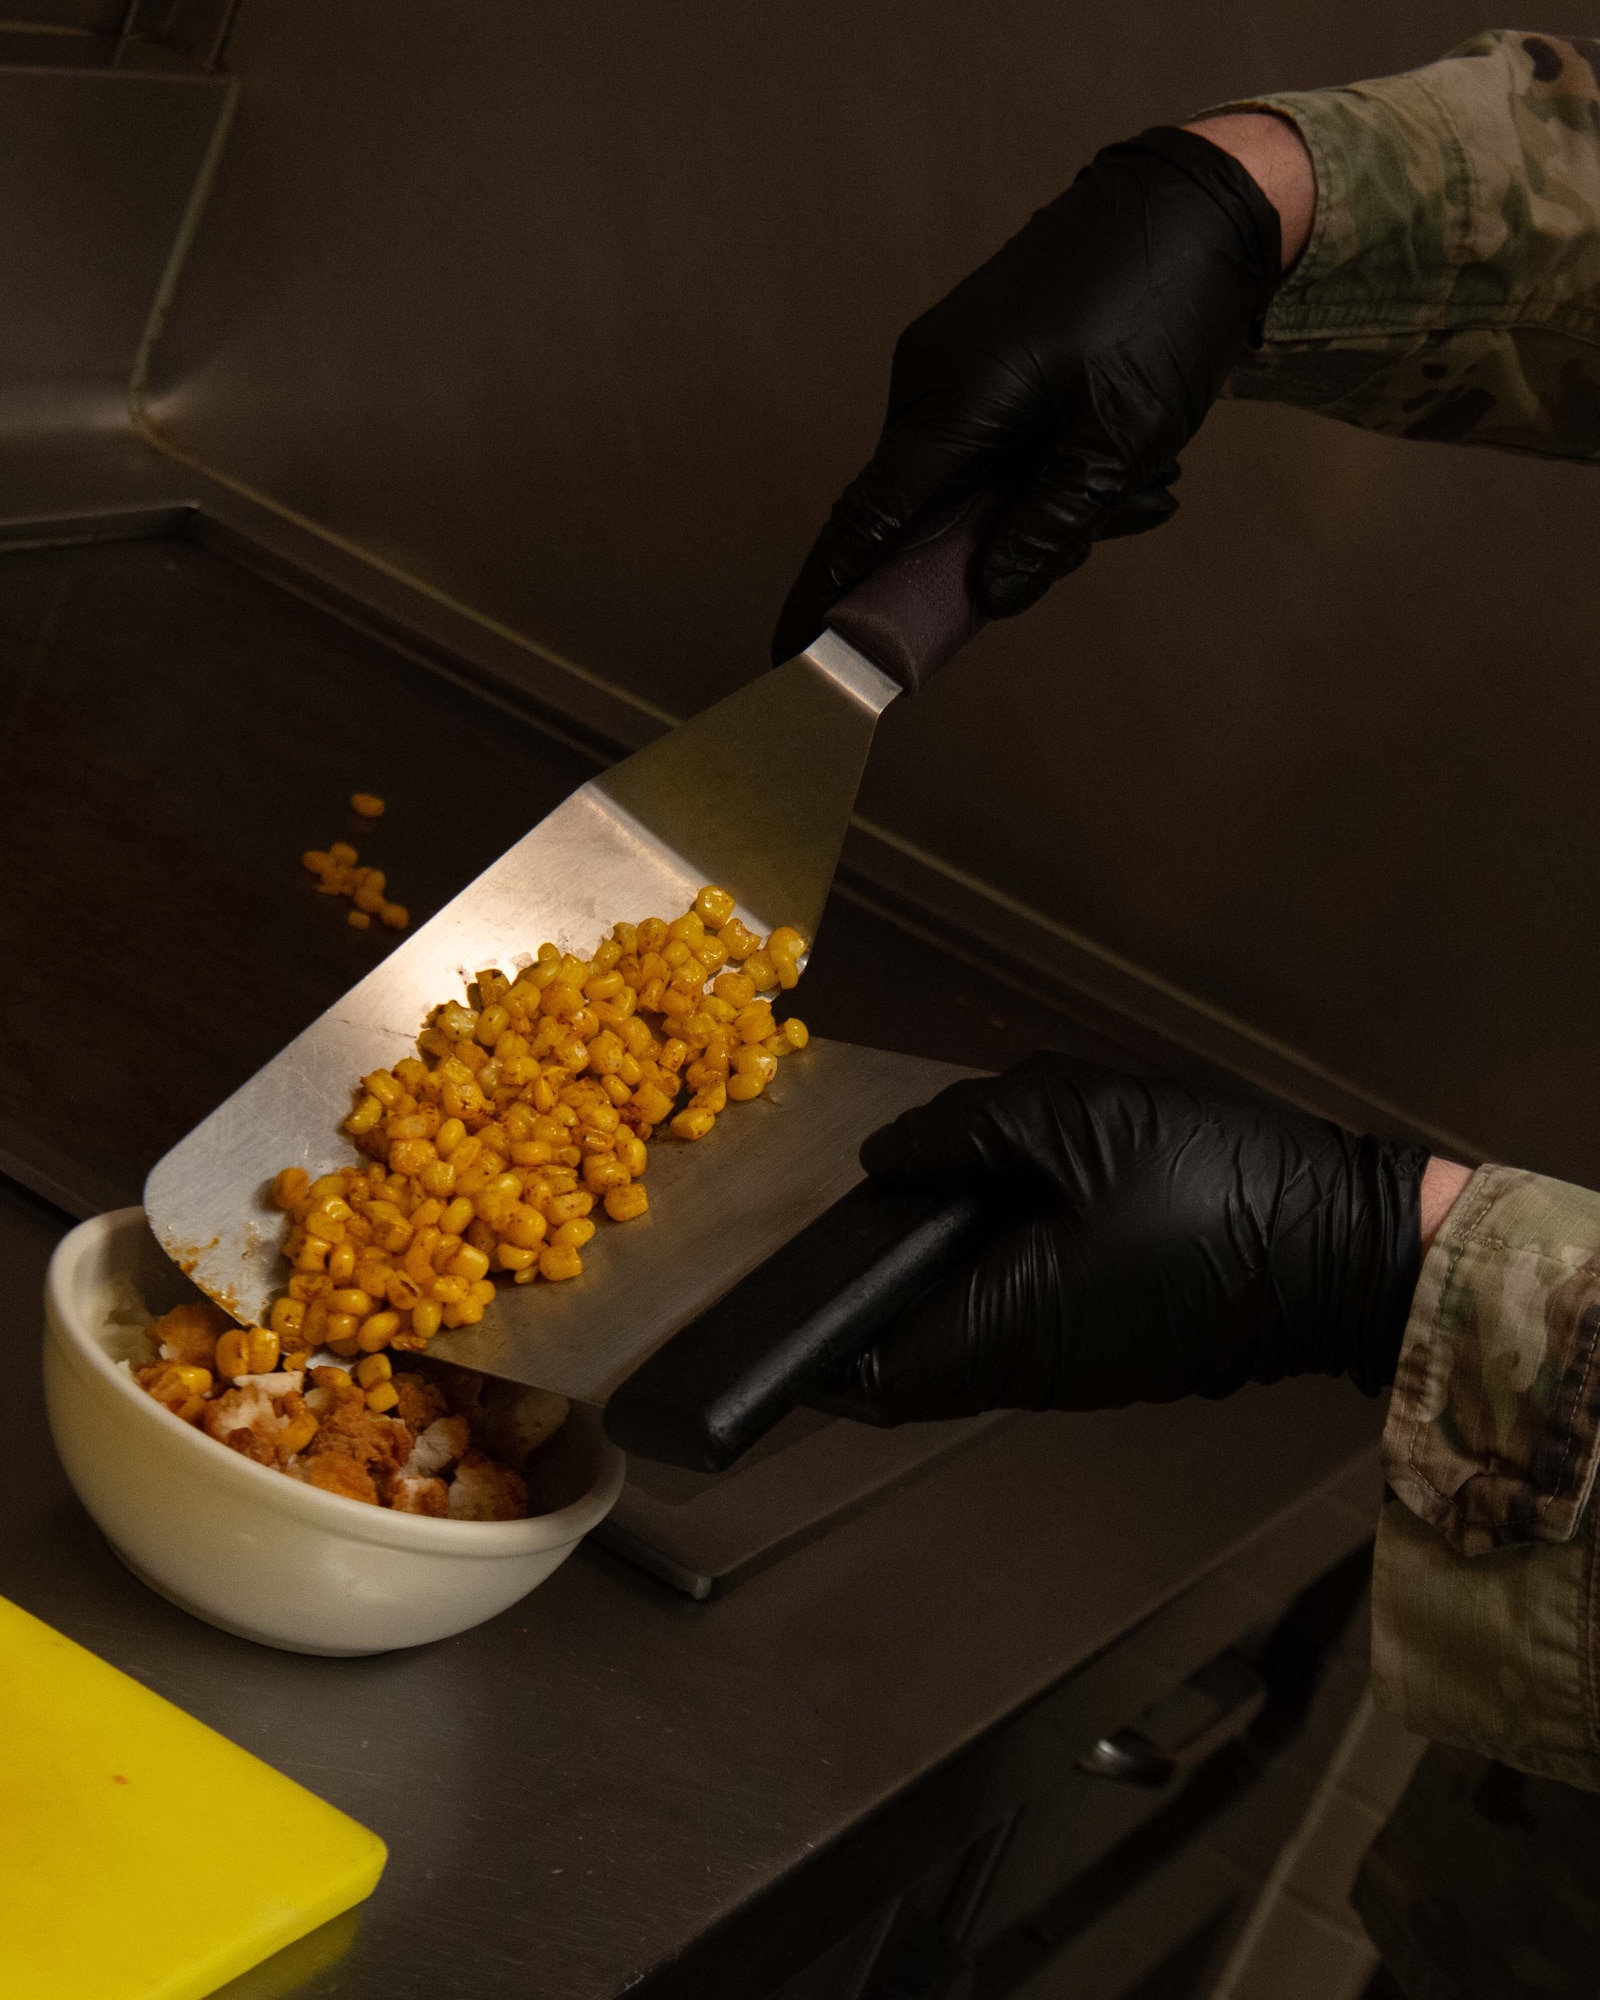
{"points": [[1451, 286], [1499, 1653], [1494, 1426]]}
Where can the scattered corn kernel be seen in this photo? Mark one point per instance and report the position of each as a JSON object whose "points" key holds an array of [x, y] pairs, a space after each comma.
{"points": [[368, 804], [358, 920]]}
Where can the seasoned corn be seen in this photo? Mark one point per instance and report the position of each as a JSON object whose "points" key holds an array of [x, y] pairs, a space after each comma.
{"points": [[529, 1108], [338, 875]]}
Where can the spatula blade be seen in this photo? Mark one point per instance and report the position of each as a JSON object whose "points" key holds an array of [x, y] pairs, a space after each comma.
{"points": [[754, 794]]}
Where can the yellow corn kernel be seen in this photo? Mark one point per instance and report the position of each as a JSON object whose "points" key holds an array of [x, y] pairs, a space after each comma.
{"points": [[604, 1170], [711, 954], [734, 989], [575, 1234], [308, 1285], [377, 1331], [511, 1257], [785, 942], [674, 1053], [373, 1369], [175, 1382], [296, 1434], [795, 1032], [483, 1292], [713, 907], [532, 1153], [384, 1397], [358, 920], [394, 916], [469, 1262], [559, 1264], [410, 1156], [367, 1115], [288, 1316], [710, 1097], [344, 1347], [449, 1290], [425, 1315], [524, 1230], [457, 1217], [693, 1124], [761, 971], [438, 1177], [368, 804], [350, 1299], [626, 1204], [340, 1326], [402, 1291], [261, 1349], [448, 1138], [651, 1103], [788, 973], [741, 943], [342, 1263], [568, 1207], [289, 1187], [651, 934], [368, 899], [633, 1153], [343, 854], [233, 1353], [315, 861], [754, 1060], [743, 1087]]}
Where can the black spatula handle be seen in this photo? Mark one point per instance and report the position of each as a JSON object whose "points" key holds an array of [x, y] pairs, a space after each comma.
{"points": [[728, 1376], [915, 612]]}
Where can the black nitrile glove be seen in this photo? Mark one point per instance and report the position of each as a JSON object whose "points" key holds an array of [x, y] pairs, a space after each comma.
{"points": [[1177, 1242], [1067, 372]]}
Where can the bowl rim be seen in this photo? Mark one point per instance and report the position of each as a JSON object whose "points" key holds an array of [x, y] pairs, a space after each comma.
{"points": [[333, 1513]]}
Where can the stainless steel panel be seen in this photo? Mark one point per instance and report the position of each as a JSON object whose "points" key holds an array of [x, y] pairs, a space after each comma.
{"points": [[95, 177], [717, 1209]]}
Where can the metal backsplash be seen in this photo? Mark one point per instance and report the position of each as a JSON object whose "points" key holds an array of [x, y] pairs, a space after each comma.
{"points": [[580, 317]]}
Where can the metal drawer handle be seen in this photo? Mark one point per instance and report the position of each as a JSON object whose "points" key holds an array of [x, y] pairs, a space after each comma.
{"points": [[1179, 1732]]}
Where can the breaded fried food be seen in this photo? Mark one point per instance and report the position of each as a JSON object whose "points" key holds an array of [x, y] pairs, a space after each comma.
{"points": [[189, 1333], [420, 1402], [332, 1472], [350, 1430], [485, 1490], [410, 1493]]}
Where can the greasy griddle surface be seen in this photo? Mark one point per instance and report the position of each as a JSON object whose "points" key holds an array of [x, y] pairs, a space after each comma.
{"points": [[174, 731]]}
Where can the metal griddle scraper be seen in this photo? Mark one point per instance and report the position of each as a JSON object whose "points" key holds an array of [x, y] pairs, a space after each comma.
{"points": [[754, 794]]}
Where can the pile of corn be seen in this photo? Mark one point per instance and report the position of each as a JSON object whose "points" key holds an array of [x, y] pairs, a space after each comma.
{"points": [[526, 1109], [338, 875]]}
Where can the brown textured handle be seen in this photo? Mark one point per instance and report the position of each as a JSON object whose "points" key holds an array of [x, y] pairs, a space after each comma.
{"points": [[915, 613]]}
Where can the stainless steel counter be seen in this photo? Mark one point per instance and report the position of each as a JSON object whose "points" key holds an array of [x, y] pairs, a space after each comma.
{"points": [[581, 1793]]}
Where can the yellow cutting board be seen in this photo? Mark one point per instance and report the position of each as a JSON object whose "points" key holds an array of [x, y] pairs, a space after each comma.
{"points": [[142, 1856]]}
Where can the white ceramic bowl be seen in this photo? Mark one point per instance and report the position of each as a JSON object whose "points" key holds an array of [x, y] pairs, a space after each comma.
{"points": [[239, 1544]]}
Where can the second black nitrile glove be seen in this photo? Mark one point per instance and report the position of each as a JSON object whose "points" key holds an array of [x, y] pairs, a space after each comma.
{"points": [[1067, 372], [1168, 1242]]}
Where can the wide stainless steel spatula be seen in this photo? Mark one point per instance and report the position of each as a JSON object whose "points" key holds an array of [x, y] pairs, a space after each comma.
{"points": [[754, 794]]}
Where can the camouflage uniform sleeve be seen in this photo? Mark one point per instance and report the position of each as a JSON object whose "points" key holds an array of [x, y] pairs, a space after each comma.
{"points": [[1486, 1619], [1451, 286]]}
